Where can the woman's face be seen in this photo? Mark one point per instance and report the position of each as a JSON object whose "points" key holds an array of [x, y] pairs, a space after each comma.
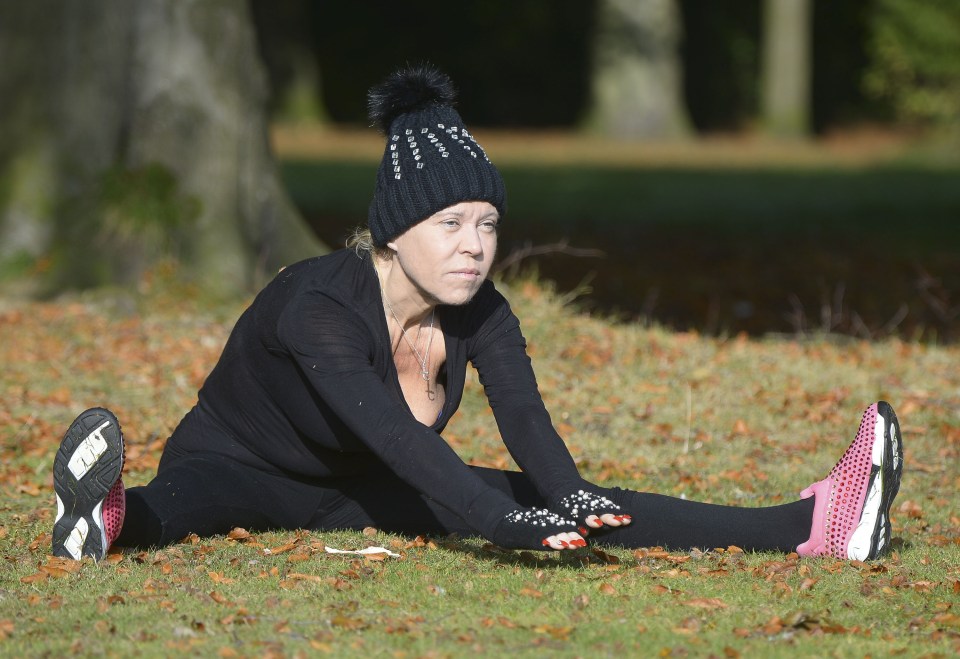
{"points": [[447, 256]]}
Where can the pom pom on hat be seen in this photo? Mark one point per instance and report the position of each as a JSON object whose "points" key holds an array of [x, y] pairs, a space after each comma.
{"points": [[431, 161], [408, 90]]}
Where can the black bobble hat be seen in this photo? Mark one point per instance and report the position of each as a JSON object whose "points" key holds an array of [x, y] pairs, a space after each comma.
{"points": [[431, 161]]}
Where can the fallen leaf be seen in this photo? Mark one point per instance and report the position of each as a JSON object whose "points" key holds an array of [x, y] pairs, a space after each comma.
{"points": [[345, 622], [808, 583], [709, 603], [298, 576], [238, 534]]}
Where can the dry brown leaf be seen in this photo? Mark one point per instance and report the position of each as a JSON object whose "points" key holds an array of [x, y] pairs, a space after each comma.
{"points": [[217, 577], [808, 583], [607, 589], [299, 576], [36, 577], [709, 603], [559, 633], [273, 551], [345, 622], [238, 534]]}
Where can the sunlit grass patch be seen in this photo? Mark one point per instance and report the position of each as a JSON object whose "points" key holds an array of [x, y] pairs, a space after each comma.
{"points": [[734, 420]]}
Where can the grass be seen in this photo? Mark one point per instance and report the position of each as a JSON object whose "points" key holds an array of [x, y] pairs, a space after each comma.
{"points": [[738, 421]]}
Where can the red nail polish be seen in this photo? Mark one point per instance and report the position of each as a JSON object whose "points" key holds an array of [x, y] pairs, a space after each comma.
{"points": [[546, 543], [583, 530]]}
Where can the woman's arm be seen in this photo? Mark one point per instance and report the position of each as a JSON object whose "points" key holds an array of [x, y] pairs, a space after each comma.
{"points": [[334, 350], [499, 354]]}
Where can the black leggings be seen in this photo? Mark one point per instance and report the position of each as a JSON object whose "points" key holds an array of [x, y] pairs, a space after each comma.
{"points": [[210, 494]]}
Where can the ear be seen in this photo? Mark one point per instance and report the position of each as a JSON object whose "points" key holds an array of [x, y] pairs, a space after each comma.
{"points": [[392, 245]]}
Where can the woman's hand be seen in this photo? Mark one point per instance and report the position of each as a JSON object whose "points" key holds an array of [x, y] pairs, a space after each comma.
{"points": [[565, 541], [593, 510], [607, 519], [537, 528]]}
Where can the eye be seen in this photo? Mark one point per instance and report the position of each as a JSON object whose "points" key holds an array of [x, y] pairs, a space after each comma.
{"points": [[450, 223], [490, 226]]}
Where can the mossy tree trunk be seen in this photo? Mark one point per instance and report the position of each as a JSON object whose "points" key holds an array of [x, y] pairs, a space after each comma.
{"points": [[136, 129], [637, 83]]}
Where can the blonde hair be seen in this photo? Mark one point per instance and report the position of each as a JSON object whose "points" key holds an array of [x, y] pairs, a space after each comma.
{"points": [[361, 241]]}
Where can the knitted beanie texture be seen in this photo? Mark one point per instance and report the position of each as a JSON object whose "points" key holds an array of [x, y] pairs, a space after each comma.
{"points": [[431, 161]]}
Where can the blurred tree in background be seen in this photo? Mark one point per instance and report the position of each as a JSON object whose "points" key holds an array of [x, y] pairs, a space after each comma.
{"points": [[786, 67], [637, 89], [914, 48], [133, 131], [138, 130]]}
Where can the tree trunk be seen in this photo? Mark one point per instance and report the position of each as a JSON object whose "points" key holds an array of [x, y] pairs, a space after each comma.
{"points": [[637, 85], [137, 129], [786, 67]]}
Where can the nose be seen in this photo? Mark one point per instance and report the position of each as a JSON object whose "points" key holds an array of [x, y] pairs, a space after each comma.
{"points": [[470, 242]]}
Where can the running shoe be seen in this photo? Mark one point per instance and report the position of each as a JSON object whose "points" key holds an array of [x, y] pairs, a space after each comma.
{"points": [[87, 481], [851, 517]]}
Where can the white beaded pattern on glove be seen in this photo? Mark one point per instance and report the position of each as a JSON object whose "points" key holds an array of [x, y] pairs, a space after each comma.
{"points": [[538, 517], [588, 502]]}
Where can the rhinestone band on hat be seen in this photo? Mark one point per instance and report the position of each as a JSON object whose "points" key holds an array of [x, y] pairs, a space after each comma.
{"points": [[395, 156], [457, 134]]}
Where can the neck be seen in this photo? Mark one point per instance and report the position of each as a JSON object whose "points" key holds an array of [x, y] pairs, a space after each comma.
{"points": [[400, 296]]}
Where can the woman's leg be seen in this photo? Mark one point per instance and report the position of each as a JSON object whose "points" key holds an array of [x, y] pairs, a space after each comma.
{"points": [[680, 524], [384, 501], [210, 494], [387, 503]]}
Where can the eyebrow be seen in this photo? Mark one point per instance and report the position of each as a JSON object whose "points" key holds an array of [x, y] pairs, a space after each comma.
{"points": [[493, 215]]}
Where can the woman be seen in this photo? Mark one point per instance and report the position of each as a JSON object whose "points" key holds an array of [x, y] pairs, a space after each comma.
{"points": [[325, 408]]}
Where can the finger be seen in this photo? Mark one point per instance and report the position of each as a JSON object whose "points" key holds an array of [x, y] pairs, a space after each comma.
{"points": [[611, 520], [574, 539], [593, 521], [555, 542]]}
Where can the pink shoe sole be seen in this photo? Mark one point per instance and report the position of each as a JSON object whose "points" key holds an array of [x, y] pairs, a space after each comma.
{"points": [[87, 480], [851, 517]]}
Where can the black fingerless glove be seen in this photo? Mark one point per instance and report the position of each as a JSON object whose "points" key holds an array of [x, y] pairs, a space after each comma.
{"points": [[529, 528], [581, 504]]}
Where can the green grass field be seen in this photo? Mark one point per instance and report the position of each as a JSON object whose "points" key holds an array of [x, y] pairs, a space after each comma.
{"points": [[740, 421]]}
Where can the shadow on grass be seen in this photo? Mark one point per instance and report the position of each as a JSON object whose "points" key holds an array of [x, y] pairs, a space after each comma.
{"points": [[863, 252]]}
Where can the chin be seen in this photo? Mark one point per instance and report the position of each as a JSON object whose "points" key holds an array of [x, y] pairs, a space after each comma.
{"points": [[457, 298]]}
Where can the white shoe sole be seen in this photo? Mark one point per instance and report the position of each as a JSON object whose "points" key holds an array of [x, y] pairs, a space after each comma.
{"points": [[872, 535], [87, 465]]}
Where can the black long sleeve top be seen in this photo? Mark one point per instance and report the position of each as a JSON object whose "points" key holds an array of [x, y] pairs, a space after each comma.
{"points": [[307, 384]]}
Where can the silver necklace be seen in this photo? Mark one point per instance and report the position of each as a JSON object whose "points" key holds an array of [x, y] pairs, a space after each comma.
{"points": [[422, 359]]}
